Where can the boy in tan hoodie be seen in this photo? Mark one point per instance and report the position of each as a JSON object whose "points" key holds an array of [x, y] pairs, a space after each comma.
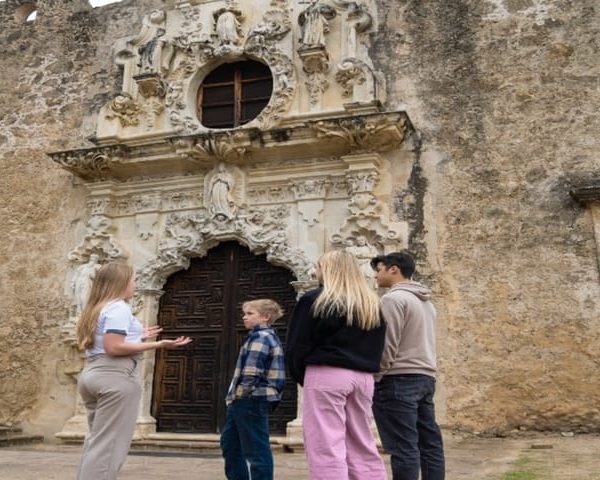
{"points": [[403, 401]]}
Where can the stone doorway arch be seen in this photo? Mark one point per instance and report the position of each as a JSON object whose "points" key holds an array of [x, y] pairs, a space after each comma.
{"points": [[204, 302]]}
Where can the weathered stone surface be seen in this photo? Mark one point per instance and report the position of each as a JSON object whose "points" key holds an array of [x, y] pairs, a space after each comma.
{"points": [[504, 96], [507, 92]]}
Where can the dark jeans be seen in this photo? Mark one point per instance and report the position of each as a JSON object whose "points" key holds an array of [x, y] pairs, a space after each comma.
{"points": [[245, 438], [405, 417]]}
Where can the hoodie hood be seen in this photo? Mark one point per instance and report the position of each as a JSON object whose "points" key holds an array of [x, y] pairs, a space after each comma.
{"points": [[420, 291]]}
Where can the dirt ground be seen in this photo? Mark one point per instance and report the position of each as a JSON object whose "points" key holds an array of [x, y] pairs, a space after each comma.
{"points": [[548, 457]]}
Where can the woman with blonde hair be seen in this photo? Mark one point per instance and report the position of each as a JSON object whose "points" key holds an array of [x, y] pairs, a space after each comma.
{"points": [[334, 345], [109, 384]]}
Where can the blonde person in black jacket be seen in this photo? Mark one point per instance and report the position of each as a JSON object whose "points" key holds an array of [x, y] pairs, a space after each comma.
{"points": [[334, 346]]}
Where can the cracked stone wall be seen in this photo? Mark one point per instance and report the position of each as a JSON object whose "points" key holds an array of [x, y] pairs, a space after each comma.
{"points": [[504, 94]]}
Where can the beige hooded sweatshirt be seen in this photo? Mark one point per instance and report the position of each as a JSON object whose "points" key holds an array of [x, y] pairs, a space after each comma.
{"points": [[410, 335]]}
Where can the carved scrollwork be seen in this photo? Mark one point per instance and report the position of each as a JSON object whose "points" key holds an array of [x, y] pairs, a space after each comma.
{"points": [[364, 133], [90, 164], [125, 108], [310, 188], [99, 240], [192, 234], [224, 145], [275, 25], [351, 72]]}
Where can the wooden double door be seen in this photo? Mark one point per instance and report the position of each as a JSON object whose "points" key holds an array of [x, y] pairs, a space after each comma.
{"points": [[204, 302]]}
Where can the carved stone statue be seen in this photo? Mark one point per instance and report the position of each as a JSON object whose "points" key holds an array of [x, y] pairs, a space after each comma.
{"points": [[154, 50], [82, 282], [363, 252], [314, 23], [220, 187], [227, 26]]}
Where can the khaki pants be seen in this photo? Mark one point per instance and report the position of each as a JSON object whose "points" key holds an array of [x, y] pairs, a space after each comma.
{"points": [[111, 390]]}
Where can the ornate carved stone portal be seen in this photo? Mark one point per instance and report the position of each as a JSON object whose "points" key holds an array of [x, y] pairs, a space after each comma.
{"points": [[318, 168]]}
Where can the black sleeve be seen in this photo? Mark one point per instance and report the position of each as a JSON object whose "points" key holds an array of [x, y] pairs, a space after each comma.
{"points": [[299, 344]]}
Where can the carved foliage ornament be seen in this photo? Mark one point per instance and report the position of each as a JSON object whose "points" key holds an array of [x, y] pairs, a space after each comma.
{"points": [[365, 133], [193, 234], [90, 164], [99, 240]]}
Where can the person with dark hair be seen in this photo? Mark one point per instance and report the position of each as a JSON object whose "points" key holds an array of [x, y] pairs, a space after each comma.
{"points": [[403, 401]]}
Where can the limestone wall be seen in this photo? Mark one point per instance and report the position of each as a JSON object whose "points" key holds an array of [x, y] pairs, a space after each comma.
{"points": [[503, 93]]}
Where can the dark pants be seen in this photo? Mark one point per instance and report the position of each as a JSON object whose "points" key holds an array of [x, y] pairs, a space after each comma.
{"points": [[245, 438], [405, 417]]}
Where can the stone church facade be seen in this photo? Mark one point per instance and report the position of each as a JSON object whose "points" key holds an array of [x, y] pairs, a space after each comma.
{"points": [[221, 146]]}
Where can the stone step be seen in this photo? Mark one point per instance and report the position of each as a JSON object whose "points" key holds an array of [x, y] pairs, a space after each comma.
{"points": [[11, 439], [4, 430]]}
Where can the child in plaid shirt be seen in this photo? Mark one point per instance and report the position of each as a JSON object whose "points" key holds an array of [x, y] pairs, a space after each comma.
{"points": [[254, 392]]}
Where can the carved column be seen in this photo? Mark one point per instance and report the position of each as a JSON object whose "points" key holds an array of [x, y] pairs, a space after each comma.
{"points": [[147, 315], [75, 427], [310, 200]]}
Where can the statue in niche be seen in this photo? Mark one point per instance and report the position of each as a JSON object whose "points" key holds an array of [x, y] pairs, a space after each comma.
{"points": [[220, 188], [314, 23], [155, 52], [363, 252], [82, 282], [228, 26]]}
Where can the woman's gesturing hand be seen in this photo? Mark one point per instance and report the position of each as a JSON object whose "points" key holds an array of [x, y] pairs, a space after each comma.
{"points": [[151, 332], [177, 342]]}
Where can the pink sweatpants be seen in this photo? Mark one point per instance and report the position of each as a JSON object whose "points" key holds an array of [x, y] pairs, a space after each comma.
{"points": [[337, 425]]}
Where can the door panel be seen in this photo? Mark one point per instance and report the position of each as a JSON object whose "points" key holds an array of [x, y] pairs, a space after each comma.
{"points": [[204, 302]]}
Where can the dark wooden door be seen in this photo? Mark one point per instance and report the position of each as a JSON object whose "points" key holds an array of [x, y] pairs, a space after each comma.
{"points": [[204, 302]]}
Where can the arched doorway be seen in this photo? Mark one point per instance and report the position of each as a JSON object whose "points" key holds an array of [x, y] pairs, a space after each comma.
{"points": [[204, 302]]}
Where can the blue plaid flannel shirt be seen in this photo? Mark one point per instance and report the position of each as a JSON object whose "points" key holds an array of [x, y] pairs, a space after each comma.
{"points": [[260, 367]]}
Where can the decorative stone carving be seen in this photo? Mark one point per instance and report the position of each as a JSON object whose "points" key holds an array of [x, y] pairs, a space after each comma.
{"points": [[366, 214], [362, 181], [365, 133], [82, 282], [124, 107], [98, 240], [220, 187], [274, 26], [364, 252], [223, 146], [310, 188], [262, 230], [350, 72], [360, 17], [90, 163], [316, 86], [150, 85], [228, 28], [155, 52], [314, 23]]}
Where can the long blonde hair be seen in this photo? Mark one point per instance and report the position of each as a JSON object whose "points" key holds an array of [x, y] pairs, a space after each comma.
{"points": [[110, 283], [346, 291]]}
